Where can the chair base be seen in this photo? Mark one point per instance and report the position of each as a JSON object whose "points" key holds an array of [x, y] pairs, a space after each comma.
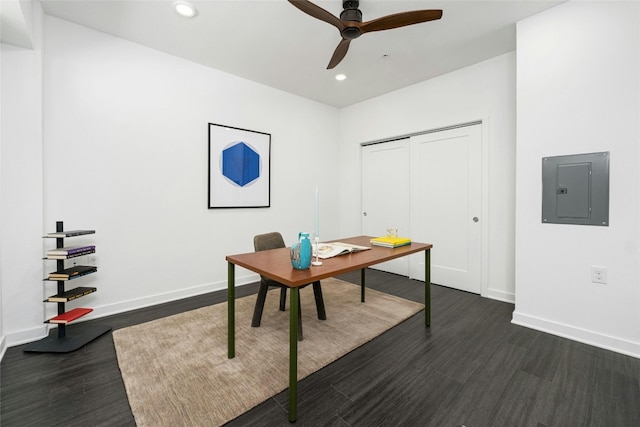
{"points": [[262, 296]]}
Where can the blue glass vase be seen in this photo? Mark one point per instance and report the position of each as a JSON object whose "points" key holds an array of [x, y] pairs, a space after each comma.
{"points": [[301, 252]]}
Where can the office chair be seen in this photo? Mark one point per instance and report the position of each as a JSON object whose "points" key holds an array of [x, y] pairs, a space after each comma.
{"points": [[274, 240]]}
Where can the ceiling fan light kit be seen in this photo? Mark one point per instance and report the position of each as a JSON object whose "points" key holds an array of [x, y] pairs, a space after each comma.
{"points": [[350, 23]]}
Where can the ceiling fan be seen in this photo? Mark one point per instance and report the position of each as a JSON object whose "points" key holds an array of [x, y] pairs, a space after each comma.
{"points": [[351, 26]]}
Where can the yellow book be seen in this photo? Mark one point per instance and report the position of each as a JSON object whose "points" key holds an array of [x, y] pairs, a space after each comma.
{"points": [[391, 242]]}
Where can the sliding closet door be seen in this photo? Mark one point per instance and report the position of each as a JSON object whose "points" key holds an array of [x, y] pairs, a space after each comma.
{"points": [[385, 194], [446, 202]]}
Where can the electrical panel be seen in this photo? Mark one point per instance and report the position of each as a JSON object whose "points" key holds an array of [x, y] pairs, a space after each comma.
{"points": [[575, 189]]}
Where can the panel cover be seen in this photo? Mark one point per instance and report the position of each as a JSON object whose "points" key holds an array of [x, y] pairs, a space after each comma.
{"points": [[575, 189]]}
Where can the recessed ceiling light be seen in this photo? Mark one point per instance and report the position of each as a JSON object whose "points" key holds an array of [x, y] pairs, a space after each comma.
{"points": [[340, 77], [185, 9]]}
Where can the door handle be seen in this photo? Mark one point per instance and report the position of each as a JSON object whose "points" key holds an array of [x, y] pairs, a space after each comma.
{"points": [[475, 219], [364, 214]]}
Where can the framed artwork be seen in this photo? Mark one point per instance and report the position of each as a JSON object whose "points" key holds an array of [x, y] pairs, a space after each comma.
{"points": [[239, 168]]}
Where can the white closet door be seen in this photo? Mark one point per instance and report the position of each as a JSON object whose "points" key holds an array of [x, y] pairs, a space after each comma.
{"points": [[385, 195], [446, 203]]}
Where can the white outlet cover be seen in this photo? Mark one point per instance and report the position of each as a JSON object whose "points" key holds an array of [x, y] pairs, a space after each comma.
{"points": [[598, 274]]}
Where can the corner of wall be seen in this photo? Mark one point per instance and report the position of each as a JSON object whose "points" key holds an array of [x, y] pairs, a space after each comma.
{"points": [[3, 346]]}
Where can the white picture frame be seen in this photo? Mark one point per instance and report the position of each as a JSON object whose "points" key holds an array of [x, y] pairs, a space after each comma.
{"points": [[239, 168]]}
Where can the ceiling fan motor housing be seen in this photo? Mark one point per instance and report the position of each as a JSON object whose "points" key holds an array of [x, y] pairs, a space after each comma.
{"points": [[353, 14], [350, 4], [351, 11]]}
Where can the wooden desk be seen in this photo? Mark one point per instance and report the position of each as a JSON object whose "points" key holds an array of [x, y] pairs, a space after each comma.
{"points": [[276, 264]]}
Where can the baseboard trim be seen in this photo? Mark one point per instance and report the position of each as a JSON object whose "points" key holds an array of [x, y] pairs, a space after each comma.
{"points": [[25, 337], [124, 306], [501, 296], [3, 346], [584, 336]]}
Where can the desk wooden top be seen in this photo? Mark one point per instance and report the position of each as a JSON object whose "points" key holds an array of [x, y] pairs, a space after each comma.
{"points": [[276, 263]]}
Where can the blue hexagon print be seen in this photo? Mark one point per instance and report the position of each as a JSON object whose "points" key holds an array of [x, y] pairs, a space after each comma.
{"points": [[240, 164]]}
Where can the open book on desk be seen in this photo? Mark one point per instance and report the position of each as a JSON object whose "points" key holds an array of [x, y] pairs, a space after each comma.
{"points": [[331, 249]]}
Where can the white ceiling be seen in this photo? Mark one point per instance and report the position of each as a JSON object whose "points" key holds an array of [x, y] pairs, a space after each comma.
{"points": [[274, 43]]}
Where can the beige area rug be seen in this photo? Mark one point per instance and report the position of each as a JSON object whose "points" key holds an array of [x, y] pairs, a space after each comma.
{"points": [[176, 371]]}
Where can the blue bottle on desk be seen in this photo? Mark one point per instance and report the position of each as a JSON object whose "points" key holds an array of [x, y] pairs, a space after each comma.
{"points": [[301, 252]]}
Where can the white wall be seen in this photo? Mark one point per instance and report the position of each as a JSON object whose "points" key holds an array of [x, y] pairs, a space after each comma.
{"points": [[484, 91], [578, 92], [125, 153], [3, 338], [21, 188]]}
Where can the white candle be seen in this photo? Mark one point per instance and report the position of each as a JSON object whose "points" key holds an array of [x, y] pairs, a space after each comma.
{"points": [[317, 224]]}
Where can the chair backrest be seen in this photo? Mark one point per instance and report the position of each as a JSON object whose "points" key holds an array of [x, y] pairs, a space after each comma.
{"points": [[263, 242], [273, 240]]}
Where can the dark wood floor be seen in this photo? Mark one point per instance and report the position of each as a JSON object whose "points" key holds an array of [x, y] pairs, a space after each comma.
{"points": [[472, 367]]}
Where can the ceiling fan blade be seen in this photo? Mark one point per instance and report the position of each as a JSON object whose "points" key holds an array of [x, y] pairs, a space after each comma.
{"points": [[400, 20], [318, 13], [339, 53]]}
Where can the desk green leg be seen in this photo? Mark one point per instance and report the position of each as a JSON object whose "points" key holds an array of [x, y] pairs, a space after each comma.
{"points": [[231, 310], [362, 285], [427, 288], [293, 353]]}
